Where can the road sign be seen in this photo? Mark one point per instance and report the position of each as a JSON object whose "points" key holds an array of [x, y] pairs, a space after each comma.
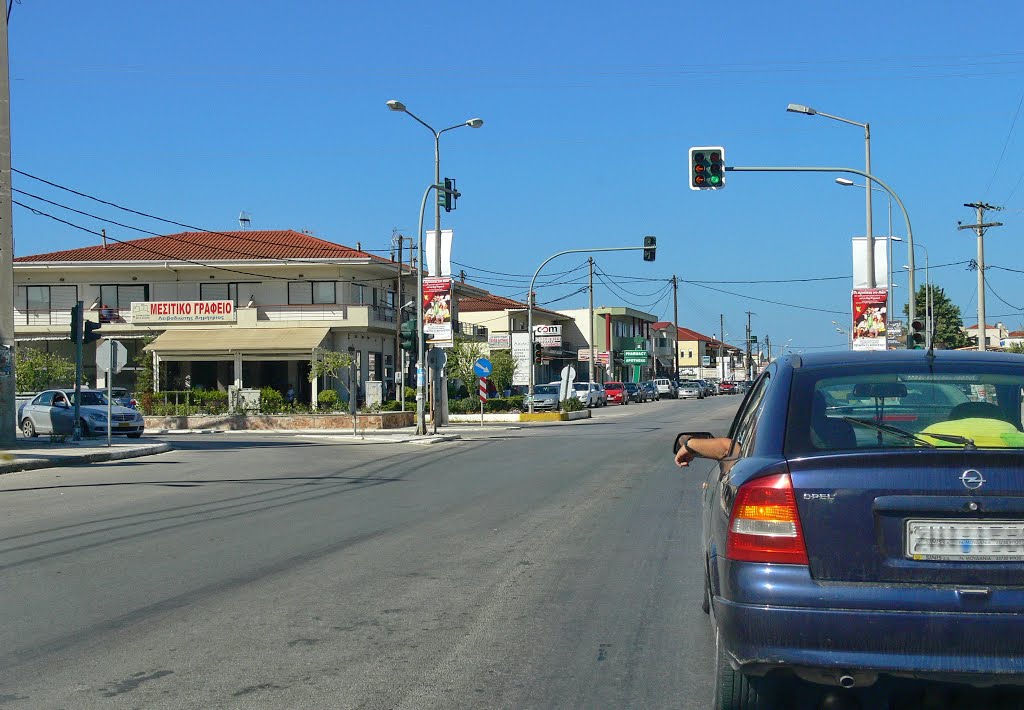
{"points": [[634, 357], [568, 376], [111, 356], [483, 390], [437, 358], [482, 367]]}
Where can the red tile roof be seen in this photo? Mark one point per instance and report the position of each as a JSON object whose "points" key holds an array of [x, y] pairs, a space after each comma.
{"points": [[493, 302], [987, 327], [1016, 334], [687, 334], [210, 246]]}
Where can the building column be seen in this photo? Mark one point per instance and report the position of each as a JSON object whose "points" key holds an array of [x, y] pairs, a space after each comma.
{"points": [[314, 391], [238, 370]]}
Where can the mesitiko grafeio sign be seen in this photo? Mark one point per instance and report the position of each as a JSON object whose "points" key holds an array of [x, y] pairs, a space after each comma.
{"points": [[183, 312]]}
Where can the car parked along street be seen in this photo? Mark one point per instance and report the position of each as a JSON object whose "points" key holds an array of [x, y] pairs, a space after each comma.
{"points": [[52, 412]]}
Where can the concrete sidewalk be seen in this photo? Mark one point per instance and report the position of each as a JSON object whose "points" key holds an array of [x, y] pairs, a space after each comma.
{"points": [[28, 454]]}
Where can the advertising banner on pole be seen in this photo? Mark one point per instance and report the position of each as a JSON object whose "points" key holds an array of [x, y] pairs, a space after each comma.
{"points": [[437, 312], [869, 319], [446, 252]]}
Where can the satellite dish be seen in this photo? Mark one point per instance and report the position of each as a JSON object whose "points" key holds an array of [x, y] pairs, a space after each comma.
{"points": [[244, 220]]}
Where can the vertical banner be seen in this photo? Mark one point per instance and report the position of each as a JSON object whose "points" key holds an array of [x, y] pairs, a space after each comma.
{"points": [[446, 252], [523, 357], [869, 319], [437, 312]]}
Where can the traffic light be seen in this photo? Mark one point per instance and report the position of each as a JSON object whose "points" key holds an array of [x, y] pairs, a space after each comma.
{"points": [[538, 355], [76, 323], [88, 332], [409, 340], [917, 334], [707, 168], [448, 195], [650, 246], [90, 336]]}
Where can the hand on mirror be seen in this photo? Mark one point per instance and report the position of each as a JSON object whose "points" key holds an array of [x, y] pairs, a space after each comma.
{"points": [[683, 457]]}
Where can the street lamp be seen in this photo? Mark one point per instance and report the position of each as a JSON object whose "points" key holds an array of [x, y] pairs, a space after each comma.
{"points": [[847, 333], [808, 111], [398, 106]]}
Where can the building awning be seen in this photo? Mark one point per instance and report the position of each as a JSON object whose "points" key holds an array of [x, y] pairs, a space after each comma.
{"points": [[263, 341]]}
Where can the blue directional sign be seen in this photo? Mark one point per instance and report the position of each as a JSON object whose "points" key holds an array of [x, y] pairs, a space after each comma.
{"points": [[482, 367]]}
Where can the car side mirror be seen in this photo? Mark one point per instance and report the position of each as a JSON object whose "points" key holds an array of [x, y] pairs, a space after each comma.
{"points": [[62, 404], [678, 444]]}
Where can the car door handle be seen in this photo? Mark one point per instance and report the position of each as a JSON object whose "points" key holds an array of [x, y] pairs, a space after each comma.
{"points": [[973, 593]]}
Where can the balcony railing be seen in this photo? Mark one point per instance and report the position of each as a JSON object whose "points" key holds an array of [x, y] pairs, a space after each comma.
{"points": [[41, 316], [383, 314], [325, 311], [470, 330]]}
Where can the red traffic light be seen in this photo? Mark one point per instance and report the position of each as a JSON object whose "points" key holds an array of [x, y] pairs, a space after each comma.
{"points": [[716, 157]]}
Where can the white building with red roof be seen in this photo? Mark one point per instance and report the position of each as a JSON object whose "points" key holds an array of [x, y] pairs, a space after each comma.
{"points": [[219, 309]]}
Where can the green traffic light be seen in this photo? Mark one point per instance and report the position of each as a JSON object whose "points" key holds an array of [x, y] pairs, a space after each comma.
{"points": [[715, 180]]}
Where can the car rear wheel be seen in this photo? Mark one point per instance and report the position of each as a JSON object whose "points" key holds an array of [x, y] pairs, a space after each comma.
{"points": [[28, 428], [733, 690]]}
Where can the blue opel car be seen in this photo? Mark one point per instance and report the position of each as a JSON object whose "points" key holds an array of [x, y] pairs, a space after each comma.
{"points": [[868, 528]]}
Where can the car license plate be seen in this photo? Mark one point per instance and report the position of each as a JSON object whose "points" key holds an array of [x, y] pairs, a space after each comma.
{"points": [[965, 540], [124, 425]]}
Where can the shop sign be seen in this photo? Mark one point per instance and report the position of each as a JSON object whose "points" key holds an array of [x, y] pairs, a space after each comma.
{"points": [[635, 357], [153, 312], [499, 341], [523, 357]]}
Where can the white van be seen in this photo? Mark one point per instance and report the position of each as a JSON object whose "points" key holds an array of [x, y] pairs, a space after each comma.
{"points": [[666, 388]]}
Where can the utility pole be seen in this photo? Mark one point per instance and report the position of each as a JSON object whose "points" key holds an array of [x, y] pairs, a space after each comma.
{"points": [[721, 343], [768, 346], [979, 228], [749, 363], [675, 328], [590, 337], [8, 406]]}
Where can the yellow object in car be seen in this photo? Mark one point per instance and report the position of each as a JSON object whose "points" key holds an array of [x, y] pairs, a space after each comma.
{"points": [[985, 433]]}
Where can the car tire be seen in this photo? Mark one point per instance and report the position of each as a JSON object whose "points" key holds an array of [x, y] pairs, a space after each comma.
{"points": [[734, 690], [28, 428], [85, 427], [705, 604]]}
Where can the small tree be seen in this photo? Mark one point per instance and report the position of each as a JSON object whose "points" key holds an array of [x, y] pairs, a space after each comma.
{"points": [[1016, 348], [949, 323], [461, 359], [35, 370], [144, 374], [504, 367], [329, 363]]}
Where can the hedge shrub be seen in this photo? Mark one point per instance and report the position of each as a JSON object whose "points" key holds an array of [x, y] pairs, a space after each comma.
{"points": [[327, 400]]}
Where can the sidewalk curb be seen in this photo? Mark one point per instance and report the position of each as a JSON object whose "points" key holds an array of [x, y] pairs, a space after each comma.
{"points": [[347, 438], [32, 464]]}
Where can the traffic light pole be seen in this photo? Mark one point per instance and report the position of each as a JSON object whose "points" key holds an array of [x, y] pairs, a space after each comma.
{"points": [[871, 178], [529, 300]]}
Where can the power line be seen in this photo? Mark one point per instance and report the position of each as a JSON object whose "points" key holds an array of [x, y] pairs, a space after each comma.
{"points": [[1005, 143], [327, 246], [988, 284], [623, 288], [765, 300]]}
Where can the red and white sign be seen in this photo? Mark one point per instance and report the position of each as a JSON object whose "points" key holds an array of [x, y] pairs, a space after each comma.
{"points": [[152, 312], [483, 389]]}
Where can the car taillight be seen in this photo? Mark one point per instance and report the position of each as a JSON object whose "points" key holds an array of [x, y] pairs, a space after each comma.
{"points": [[764, 525]]}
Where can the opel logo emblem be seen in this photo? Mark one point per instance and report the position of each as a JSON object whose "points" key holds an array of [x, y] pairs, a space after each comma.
{"points": [[972, 479]]}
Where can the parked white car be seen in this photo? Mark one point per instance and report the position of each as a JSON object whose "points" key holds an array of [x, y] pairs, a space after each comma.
{"points": [[52, 412], [666, 388], [590, 393]]}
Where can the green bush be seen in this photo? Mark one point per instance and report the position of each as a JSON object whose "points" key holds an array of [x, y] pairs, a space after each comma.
{"points": [[327, 400], [271, 401], [410, 394], [571, 405], [391, 405]]}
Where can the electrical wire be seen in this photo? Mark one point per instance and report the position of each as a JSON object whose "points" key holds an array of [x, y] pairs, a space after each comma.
{"points": [[988, 285], [327, 246], [766, 300], [1002, 153], [598, 270]]}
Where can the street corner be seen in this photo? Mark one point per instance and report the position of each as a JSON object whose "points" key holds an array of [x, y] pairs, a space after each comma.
{"points": [[31, 458]]}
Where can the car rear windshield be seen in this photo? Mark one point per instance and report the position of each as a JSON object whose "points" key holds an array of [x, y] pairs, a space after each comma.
{"points": [[896, 406]]}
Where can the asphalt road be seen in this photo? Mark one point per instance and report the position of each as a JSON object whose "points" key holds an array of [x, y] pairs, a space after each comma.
{"points": [[553, 566]]}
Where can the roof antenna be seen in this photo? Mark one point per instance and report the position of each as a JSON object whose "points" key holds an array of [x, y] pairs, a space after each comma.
{"points": [[244, 220], [103, 232]]}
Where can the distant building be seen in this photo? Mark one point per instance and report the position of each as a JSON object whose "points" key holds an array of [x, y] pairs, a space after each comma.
{"points": [[994, 334]]}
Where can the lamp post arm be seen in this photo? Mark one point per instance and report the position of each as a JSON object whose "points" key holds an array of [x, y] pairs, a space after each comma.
{"points": [[421, 379], [529, 297], [871, 178], [843, 120]]}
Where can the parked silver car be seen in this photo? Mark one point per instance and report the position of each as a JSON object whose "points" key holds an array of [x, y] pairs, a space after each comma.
{"points": [[545, 398], [690, 388], [590, 393], [53, 412]]}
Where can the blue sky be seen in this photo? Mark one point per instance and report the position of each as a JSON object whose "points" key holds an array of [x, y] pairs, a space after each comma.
{"points": [[197, 111]]}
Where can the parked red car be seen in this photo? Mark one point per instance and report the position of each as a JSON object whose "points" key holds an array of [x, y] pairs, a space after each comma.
{"points": [[727, 388], [616, 392]]}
